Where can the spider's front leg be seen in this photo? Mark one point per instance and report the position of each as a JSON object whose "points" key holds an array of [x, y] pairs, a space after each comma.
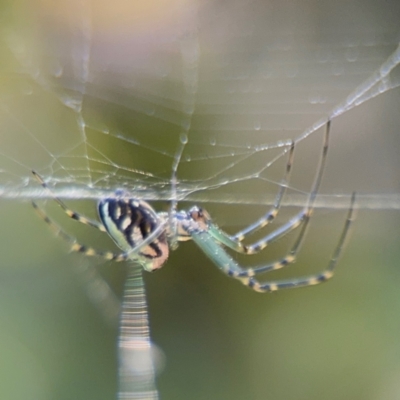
{"points": [[302, 218], [212, 248], [234, 242]]}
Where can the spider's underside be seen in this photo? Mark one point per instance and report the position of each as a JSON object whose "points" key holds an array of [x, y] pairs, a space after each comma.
{"points": [[144, 236]]}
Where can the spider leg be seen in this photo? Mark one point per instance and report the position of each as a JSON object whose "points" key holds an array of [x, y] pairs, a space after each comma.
{"points": [[72, 214], [273, 212], [230, 267], [132, 254], [234, 242], [88, 251]]}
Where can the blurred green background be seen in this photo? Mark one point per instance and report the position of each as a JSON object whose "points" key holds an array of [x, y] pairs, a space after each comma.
{"points": [[339, 340]]}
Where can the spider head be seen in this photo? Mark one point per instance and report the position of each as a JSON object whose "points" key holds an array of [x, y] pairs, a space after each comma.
{"points": [[201, 216]]}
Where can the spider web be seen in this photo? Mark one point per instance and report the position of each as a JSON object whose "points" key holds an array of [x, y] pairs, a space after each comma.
{"points": [[198, 104], [93, 108]]}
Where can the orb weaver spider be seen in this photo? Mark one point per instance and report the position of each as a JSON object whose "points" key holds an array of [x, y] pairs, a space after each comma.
{"points": [[144, 235]]}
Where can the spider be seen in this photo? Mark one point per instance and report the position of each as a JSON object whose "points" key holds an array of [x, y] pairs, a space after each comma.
{"points": [[144, 236]]}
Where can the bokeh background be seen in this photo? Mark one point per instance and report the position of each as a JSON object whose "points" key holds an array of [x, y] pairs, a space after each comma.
{"points": [[253, 72]]}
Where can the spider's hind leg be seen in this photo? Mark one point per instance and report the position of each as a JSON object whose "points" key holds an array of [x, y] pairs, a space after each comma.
{"points": [[72, 214], [74, 245]]}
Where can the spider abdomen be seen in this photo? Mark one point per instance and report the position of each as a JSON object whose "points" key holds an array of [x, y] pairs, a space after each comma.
{"points": [[129, 222]]}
